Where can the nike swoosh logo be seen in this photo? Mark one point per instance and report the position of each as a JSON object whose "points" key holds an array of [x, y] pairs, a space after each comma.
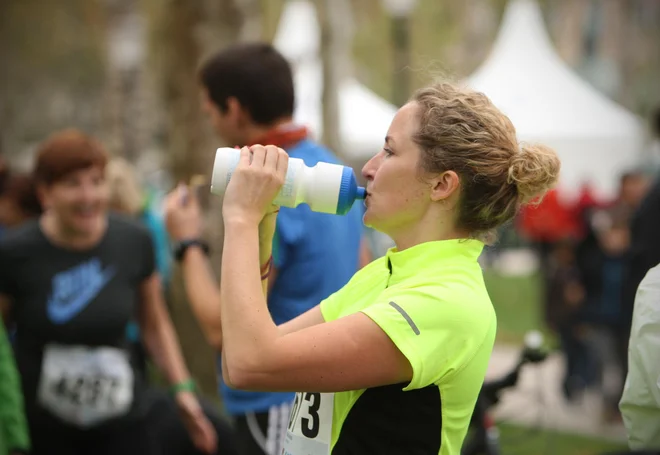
{"points": [[62, 311]]}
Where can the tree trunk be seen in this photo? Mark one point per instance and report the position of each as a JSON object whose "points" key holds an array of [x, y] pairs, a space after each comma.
{"points": [[336, 28], [253, 23], [568, 31], [271, 11], [129, 122], [183, 32]]}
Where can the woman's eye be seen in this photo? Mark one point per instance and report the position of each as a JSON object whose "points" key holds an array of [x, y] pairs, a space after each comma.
{"points": [[387, 151]]}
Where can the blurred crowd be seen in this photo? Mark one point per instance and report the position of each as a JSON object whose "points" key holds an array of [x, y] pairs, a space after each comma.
{"points": [[594, 253]]}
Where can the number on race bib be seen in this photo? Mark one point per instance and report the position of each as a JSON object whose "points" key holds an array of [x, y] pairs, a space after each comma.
{"points": [[310, 424], [310, 427], [83, 385], [294, 412], [92, 391]]}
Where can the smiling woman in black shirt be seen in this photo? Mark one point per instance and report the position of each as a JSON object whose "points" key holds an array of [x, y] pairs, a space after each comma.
{"points": [[71, 281]]}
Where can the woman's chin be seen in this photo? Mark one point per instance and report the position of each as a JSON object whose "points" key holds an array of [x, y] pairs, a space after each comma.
{"points": [[86, 225], [368, 219]]}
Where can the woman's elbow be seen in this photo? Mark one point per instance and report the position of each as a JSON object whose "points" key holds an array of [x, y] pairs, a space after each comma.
{"points": [[236, 379], [242, 375], [229, 378]]}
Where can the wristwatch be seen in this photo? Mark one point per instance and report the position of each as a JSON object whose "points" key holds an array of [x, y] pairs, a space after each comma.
{"points": [[182, 246]]}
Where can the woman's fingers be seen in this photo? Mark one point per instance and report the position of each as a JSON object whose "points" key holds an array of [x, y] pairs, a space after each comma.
{"points": [[263, 160], [258, 156], [272, 156], [245, 157]]}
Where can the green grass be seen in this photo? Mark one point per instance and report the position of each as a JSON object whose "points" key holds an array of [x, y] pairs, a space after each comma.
{"points": [[518, 304], [517, 440]]}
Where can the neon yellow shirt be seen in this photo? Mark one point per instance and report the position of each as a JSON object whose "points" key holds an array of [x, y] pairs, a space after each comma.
{"points": [[432, 302]]}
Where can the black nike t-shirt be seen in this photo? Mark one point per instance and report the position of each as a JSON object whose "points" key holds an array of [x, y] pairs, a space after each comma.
{"points": [[73, 300]]}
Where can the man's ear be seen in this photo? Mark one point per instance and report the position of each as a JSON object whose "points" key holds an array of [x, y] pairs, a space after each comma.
{"points": [[237, 112], [444, 186]]}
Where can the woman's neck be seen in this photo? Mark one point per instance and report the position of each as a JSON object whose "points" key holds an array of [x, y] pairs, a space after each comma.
{"points": [[431, 230], [60, 235]]}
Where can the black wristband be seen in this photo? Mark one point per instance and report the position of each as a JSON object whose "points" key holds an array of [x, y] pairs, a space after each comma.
{"points": [[183, 246]]}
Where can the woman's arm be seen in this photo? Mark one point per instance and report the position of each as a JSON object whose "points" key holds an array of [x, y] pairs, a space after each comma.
{"points": [[163, 346], [158, 333], [184, 222], [346, 354]]}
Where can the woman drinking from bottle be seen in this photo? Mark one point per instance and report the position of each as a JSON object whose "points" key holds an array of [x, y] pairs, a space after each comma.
{"points": [[393, 362]]}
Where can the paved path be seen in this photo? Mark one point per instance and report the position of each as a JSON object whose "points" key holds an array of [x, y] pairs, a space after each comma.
{"points": [[537, 399]]}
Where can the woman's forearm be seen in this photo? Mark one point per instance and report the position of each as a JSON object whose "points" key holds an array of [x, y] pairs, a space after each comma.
{"points": [[159, 336], [246, 323], [163, 345]]}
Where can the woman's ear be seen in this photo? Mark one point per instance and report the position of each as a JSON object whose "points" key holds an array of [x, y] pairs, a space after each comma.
{"points": [[444, 186]]}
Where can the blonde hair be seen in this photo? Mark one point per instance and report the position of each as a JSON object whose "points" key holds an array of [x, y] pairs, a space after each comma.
{"points": [[125, 192], [461, 130]]}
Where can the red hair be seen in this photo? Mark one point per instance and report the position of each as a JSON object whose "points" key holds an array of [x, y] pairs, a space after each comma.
{"points": [[65, 152]]}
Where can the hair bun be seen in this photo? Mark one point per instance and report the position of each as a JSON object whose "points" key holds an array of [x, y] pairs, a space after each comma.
{"points": [[534, 170]]}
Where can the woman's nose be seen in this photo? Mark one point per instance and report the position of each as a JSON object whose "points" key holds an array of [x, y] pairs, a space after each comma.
{"points": [[369, 169], [89, 193]]}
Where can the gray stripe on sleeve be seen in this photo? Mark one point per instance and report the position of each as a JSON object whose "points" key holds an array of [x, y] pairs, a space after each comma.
{"points": [[406, 316]]}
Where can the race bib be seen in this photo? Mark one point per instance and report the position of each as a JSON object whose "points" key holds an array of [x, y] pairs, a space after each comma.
{"points": [[85, 386], [310, 425]]}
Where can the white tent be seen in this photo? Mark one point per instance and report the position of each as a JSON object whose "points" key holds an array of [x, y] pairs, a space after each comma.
{"points": [[363, 117], [595, 138]]}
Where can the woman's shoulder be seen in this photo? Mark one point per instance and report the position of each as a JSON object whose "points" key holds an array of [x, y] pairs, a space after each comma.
{"points": [[447, 298], [21, 237]]}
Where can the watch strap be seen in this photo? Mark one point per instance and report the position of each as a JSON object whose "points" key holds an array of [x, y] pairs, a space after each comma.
{"points": [[183, 246]]}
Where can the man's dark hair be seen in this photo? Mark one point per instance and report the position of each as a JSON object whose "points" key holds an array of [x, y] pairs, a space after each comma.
{"points": [[257, 75]]}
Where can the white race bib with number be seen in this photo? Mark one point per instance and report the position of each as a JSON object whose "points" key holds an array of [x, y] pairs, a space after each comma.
{"points": [[310, 425], [84, 386]]}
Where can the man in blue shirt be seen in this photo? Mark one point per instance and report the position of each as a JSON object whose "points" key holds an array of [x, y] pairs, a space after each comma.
{"points": [[248, 94]]}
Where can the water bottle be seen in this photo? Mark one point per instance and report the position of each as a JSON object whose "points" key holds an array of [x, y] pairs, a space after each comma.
{"points": [[325, 188]]}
